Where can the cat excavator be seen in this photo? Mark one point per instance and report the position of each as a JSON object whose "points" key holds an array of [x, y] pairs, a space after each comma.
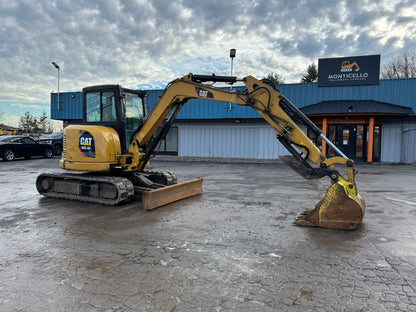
{"points": [[109, 151]]}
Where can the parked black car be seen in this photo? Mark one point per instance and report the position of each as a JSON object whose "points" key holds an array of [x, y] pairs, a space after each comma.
{"points": [[15, 146], [55, 139]]}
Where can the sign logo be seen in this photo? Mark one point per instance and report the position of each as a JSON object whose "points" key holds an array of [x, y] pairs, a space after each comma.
{"points": [[86, 144], [200, 92], [349, 71], [347, 66]]}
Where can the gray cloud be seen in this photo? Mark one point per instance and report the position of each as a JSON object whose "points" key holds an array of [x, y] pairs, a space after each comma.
{"points": [[137, 42]]}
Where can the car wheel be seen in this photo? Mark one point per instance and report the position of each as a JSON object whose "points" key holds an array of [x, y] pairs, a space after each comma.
{"points": [[48, 153], [8, 155], [58, 149]]}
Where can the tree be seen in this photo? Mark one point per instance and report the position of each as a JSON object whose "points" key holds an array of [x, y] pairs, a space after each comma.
{"points": [[275, 78], [402, 66], [43, 122], [30, 124], [26, 122], [311, 74]]}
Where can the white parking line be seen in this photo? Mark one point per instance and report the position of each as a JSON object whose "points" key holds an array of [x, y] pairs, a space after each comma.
{"points": [[402, 201]]}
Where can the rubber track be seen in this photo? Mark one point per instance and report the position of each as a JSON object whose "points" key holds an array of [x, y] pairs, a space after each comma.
{"points": [[124, 186], [169, 176]]}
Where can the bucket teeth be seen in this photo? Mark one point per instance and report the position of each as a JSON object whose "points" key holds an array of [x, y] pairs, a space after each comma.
{"points": [[308, 218]]}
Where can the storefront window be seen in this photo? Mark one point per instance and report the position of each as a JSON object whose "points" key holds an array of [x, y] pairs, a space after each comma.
{"points": [[345, 136], [377, 143], [332, 132], [359, 141], [352, 140], [317, 140]]}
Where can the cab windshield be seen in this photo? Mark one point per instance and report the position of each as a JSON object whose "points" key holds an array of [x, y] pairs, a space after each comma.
{"points": [[134, 109]]}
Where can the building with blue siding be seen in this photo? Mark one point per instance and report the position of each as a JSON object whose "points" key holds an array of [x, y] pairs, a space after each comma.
{"points": [[370, 123]]}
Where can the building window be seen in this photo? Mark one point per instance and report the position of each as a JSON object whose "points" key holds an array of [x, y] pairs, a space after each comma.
{"points": [[169, 145], [377, 143], [359, 151], [317, 140], [345, 136], [332, 133]]}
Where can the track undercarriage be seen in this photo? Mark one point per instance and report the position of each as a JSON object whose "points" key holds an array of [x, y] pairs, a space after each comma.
{"points": [[156, 188]]}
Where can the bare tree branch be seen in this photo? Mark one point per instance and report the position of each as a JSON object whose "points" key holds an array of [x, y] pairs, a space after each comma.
{"points": [[403, 66]]}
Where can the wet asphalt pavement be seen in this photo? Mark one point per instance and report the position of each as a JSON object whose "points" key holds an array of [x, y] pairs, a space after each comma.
{"points": [[234, 248]]}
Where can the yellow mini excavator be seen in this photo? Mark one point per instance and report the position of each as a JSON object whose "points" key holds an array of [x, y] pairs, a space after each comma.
{"points": [[112, 146]]}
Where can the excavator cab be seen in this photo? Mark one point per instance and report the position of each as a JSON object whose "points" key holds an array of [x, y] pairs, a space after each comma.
{"points": [[115, 107]]}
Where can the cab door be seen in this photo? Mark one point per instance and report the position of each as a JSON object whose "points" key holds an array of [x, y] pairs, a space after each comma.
{"points": [[134, 113]]}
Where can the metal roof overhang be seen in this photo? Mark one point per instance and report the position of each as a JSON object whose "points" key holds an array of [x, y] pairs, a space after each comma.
{"points": [[356, 107]]}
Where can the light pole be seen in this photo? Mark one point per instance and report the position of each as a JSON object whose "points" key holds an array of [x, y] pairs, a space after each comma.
{"points": [[232, 56], [57, 67]]}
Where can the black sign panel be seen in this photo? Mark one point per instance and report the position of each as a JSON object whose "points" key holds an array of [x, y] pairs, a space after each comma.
{"points": [[349, 71]]}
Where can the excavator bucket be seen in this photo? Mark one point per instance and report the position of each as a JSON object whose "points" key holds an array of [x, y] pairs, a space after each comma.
{"points": [[168, 194], [342, 208]]}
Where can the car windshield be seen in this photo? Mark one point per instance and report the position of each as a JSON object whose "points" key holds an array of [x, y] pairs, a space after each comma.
{"points": [[56, 135]]}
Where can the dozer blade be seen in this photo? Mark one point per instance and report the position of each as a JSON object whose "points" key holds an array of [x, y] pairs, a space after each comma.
{"points": [[342, 208], [168, 194]]}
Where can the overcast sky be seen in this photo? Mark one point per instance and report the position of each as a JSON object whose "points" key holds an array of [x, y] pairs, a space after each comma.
{"points": [[147, 43]]}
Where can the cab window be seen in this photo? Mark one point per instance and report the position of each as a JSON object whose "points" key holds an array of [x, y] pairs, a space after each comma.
{"points": [[100, 107]]}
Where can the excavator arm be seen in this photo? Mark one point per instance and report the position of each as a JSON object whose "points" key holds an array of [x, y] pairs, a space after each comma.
{"points": [[282, 115], [341, 208]]}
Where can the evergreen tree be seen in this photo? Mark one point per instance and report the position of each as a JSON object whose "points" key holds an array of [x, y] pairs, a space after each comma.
{"points": [[26, 122], [311, 74], [30, 124], [274, 78], [43, 122], [36, 126]]}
